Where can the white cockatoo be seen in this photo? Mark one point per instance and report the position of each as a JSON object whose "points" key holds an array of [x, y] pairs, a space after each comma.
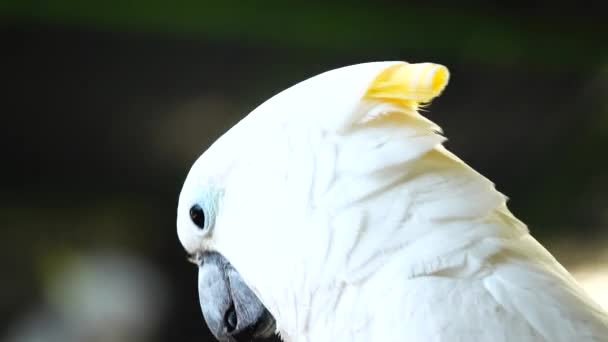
{"points": [[332, 212]]}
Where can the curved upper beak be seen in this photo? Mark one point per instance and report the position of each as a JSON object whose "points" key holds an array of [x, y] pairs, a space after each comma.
{"points": [[232, 311]]}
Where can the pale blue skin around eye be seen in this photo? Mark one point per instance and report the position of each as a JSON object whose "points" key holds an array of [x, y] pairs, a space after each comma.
{"points": [[208, 200]]}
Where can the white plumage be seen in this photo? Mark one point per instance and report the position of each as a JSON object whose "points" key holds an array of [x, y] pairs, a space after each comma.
{"points": [[344, 213]]}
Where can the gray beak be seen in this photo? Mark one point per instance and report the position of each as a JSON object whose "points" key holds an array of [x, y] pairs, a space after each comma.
{"points": [[232, 311]]}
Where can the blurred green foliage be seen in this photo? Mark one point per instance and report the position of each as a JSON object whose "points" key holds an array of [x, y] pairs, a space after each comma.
{"points": [[478, 35]]}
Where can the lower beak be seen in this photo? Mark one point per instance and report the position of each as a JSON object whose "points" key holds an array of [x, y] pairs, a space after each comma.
{"points": [[232, 311]]}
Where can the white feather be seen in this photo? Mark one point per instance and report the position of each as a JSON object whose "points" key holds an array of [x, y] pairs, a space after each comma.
{"points": [[352, 222]]}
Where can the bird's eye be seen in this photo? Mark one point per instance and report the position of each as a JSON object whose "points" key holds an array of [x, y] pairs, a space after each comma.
{"points": [[197, 215]]}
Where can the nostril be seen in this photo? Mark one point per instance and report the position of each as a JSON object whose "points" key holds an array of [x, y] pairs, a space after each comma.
{"points": [[230, 319]]}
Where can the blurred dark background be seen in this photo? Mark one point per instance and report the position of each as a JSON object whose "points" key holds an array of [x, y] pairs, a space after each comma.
{"points": [[106, 105]]}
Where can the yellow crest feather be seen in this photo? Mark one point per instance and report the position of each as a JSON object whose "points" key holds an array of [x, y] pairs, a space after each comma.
{"points": [[409, 84]]}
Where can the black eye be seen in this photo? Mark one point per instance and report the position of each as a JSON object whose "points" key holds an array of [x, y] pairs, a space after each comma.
{"points": [[197, 215]]}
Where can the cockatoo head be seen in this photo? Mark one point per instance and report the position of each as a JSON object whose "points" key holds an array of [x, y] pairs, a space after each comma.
{"points": [[277, 212]]}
